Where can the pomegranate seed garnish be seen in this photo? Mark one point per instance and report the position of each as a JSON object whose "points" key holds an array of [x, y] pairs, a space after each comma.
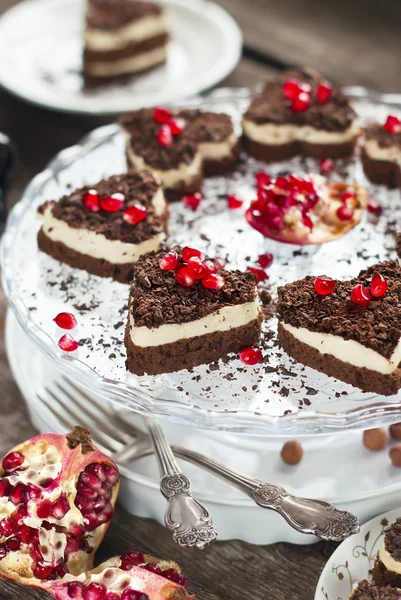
{"points": [[220, 262], [184, 277], [135, 214], [12, 461], [265, 260], [213, 281], [374, 207], [188, 252], [378, 286], [196, 268], [7, 526], [360, 295], [210, 266], [67, 343], [176, 125], [176, 577], [324, 92], [164, 136], [301, 103], [324, 285], [261, 275], [94, 591], [161, 115], [112, 203], [193, 200], [392, 124], [345, 213], [347, 196], [42, 570], [262, 179], [326, 166], [91, 201], [168, 261], [60, 507], [234, 201], [251, 355], [65, 320]]}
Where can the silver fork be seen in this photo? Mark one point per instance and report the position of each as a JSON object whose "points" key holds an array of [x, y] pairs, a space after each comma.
{"points": [[305, 515]]}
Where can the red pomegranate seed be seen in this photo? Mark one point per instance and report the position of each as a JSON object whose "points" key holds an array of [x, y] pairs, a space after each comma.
{"points": [[112, 203], [290, 89], [265, 260], [282, 183], [262, 179], [301, 103], [234, 201], [251, 355], [161, 115], [392, 124], [3, 551], [213, 281], [193, 200], [7, 526], [99, 505], [20, 514], [18, 494], [326, 166], [60, 507], [360, 295], [374, 207], [210, 266], [33, 492], [67, 343], [43, 509], [346, 197], [168, 261], [25, 533], [12, 461], [220, 262], [130, 594], [94, 591], [173, 575], [188, 252], [164, 136], [111, 474], [89, 480], [345, 213], [84, 504], [135, 214], [71, 546], [378, 286], [97, 470], [153, 568], [176, 125], [4, 487], [91, 201], [74, 589], [324, 285], [112, 596], [42, 570], [261, 275], [65, 320], [324, 92], [13, 544], [136, 558], [307, 221], [184, 277], [196, 268]]}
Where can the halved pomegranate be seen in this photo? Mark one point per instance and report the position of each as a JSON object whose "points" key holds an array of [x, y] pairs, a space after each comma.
{"points": [[57, 496]]}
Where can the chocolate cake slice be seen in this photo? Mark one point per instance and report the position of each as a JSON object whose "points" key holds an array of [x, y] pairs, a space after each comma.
{"points": [[123, 38], [350, 330], [184, 314], [387, 568], [180, 146], [381, 153], [299, 113], [106, 227], [368, 590]]}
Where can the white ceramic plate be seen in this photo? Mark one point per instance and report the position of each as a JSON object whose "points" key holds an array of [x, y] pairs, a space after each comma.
{"points": [[354, 559], [41, 54], [323, 473]]}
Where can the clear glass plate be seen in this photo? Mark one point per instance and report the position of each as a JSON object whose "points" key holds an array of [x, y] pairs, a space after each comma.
{"points": [[278, 397]]}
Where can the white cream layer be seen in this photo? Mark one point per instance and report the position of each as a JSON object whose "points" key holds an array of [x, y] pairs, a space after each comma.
{"points": [[150, 26], [392, 154], [218, 150], [389, 562], [347, 351], [224, 319], [132, 64], [271, 134], [95, 244]]}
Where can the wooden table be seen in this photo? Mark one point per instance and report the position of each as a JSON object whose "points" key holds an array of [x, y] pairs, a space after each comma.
{"points": [[351, 42]]}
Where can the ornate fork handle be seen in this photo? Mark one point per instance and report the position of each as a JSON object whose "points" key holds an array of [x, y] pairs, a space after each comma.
{"points": [[306, 515], [188, 521]]}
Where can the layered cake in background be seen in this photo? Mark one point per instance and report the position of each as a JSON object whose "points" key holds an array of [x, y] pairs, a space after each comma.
{"points": [[123, 38], [350, 330], [368, 590], [180, 146], [299, 113], [106, 227], [184, 311], [381, 152], [387, 568]]}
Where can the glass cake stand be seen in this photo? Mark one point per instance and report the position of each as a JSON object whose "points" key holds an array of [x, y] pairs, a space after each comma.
{"points": [[278, 397]]}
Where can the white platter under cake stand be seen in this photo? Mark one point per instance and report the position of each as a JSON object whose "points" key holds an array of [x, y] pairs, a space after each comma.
{"points": [[328, 469]]}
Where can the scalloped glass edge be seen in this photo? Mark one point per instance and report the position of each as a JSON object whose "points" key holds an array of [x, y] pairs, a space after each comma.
{"points": [[241, 422]]}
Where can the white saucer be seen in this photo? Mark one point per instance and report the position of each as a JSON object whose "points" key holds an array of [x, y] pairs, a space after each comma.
{"points": [[41, 49], [353, 560], [327, 470]]}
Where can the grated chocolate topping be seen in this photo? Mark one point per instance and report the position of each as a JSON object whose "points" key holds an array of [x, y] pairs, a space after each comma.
{"points": [[384, 138], [158, 299], [138, 186], [368, 590], [377, 326], [111, 14], [200, 127], [392, 540], [270, 106]]}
